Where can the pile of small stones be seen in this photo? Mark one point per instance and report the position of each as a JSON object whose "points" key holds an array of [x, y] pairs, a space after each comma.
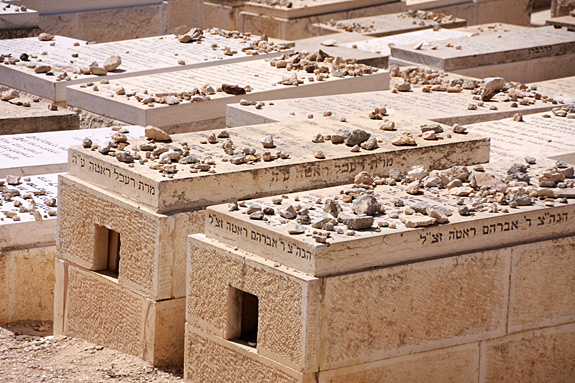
{"points": [[21, 8], [15, 204], [359, 207], [276, 3], [439, 18], [320, 64], [167, 157], [351, 27]]}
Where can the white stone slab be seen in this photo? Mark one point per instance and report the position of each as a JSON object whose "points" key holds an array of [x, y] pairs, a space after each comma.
{"points": [[140, 56], [31, 45], [428, 37], [385, 25], [563, 21], [301, 171], [303, 8], [29, 231], [561, 88], [534, 137], [448, 108], [484, 50], [491, 29], [260, 75], [433, 4], [12, 16], [65, 6], [385, 246], [42, 153]]}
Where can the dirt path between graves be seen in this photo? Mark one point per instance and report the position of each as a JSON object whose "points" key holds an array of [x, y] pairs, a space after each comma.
{"points": [[29, 353]]}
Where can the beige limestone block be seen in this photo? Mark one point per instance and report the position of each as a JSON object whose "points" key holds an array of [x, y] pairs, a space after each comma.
{"points": [[109, 24], [287, 326], [164, 336], [99, 310], [209, 359], [542, 291], [535, 356], [186, 12], [415, 307], [27, 284], [185, 224], [449, 365]]}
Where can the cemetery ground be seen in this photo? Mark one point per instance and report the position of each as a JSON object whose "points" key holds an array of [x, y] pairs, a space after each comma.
{"points": [[30, 353]]}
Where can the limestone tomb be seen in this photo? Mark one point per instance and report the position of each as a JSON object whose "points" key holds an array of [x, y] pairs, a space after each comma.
{"points": [[17, 22]]}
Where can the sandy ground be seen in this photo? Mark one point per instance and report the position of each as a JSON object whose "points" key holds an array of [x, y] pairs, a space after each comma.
{"points": [[30, 353]]}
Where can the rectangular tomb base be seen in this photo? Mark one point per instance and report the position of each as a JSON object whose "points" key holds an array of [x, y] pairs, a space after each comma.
{"points": [[19, 33], [109, 24], [303, 27], [27, 284], [94, 307]]}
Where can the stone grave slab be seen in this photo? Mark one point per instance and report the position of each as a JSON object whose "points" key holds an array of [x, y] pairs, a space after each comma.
{"points": [[516, 55], [562, 21], [14, 17], [31, 45], [140, 56], [42, 153], [382, 45], [332, 44], [16, 118], [63, 6], [390, 24], [491, 28], [260, 75], [392, 237], [303, 8], [25, 229], [302, 170], [443, 107], [539, 135], [561, 88]]}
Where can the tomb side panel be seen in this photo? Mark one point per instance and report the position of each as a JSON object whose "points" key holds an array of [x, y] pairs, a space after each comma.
{"points": [[213, 271], [448, 365], [185, 224], [31, 287], [83, 208], [208, 360], [542, 284], [416, 307], [4, 288], [534, 356], [103, 312]]}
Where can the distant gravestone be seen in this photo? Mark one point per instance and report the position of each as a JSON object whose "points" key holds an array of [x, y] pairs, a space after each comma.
{"points": [[17, 22]]}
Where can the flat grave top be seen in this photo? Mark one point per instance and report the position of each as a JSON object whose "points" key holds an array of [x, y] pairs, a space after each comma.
{"points": [[427, 37], [241, 166], [65, 6], [563, 21], [561, 88], [392, 24], [492, 28], [332, 44], [41, 153], [301, 8], [408, 230], [31, 45], [483, 50], [444, 107], [181, 97], [13, 16], [432, 4], [28, 210], [139, 56], [538, 135]]}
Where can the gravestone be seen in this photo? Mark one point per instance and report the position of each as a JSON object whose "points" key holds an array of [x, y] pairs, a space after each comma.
{"points": [[32, 45], [294, 19], [152, 206], [456, 285], [16, 22], [160, 99], [42, 153], [538, 135], [447, 108], [23, 115], [529, 55], [561, 88], [562, 21], [391, 24], [382, 45], [333, 45], [141, 56], [27, 248]]}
